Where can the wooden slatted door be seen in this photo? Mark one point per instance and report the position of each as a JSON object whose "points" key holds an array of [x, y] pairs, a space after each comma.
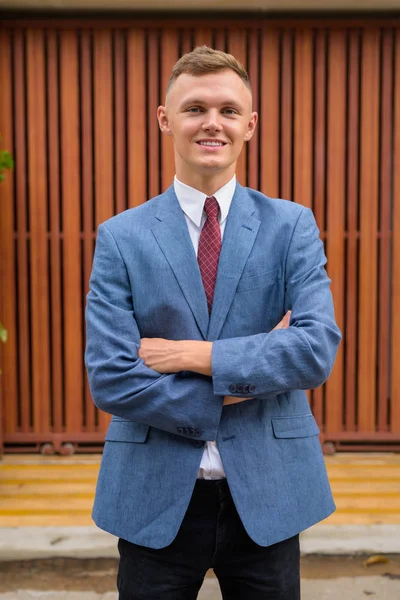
{"points": [[78, 107]]}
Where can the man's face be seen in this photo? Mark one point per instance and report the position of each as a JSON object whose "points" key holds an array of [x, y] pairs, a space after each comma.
{"points": [[209, 118]]}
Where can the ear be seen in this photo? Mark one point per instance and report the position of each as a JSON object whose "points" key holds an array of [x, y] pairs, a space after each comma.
{"points": [[251, 126], [163, 120]]}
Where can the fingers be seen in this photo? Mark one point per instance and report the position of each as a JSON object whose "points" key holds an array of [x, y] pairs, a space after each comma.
{"points": [[284, 323]]}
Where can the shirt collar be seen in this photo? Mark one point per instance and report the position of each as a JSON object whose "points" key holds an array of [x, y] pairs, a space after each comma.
{"points": [[192, 201]]}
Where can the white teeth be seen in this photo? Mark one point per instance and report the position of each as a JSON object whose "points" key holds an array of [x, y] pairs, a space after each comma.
{"points": [[211, 144]]}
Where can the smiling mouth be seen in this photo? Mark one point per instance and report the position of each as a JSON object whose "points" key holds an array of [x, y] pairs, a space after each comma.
{"points": [[211, 144]]}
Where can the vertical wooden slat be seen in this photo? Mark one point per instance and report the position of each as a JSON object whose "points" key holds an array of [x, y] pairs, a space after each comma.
{"points": [[237, 47], [352, 231], [269, 113], [55, 232], [254, 145], [303, 118], [319, 127], [24, 333], [103, 137], [103, 126], [368, 230], [386, 123], [154, 100], [119, 121], [286, 116], [220, 40], [70, 185], [86, 142], [203, 37], [136, 89], [186, 41], [395, 316], [169, 56], [38, 219], [8, 379], [336, 211]]}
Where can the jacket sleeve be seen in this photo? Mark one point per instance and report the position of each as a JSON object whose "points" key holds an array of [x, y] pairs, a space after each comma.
{"points": [[299, 357], [183, 403]]}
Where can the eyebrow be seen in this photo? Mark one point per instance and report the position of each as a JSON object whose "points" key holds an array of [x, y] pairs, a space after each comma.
{"points": [[198, 102]]}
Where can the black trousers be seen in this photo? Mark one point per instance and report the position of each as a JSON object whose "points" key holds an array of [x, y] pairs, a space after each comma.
{"points": [[211, 536]]}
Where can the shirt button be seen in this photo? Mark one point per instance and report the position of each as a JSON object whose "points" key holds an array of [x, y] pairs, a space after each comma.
{"points": [[232, 388]]}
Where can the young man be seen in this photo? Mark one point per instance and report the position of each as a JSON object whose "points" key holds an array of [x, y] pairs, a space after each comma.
{"points": [[212, 457]]}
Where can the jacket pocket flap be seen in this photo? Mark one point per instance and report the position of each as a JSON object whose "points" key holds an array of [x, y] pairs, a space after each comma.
{"points": [[126, 431], [295, 427], [252, 282]]}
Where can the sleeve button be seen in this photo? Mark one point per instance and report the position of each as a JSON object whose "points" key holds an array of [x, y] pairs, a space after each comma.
{"points": [[179, 429], [252, 388], [239, 388], [246, 389], [232, 388]]}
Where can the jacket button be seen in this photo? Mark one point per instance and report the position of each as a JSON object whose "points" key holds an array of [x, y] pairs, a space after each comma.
{"points": [[198, 443], [252, 388], [239, 388], [232, 388], [246, 389], [179, 429]]}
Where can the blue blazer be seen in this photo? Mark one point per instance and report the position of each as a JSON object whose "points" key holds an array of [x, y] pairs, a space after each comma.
{"points": [[146, 283]]}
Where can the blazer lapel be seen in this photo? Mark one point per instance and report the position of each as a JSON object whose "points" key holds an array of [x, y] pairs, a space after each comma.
{"points": [[239, 236], [172, 235]]}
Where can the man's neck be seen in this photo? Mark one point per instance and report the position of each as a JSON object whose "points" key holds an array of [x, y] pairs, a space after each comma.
{"points": [[205, 184]]}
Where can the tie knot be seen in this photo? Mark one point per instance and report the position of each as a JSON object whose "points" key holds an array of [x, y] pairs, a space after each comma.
{"points": [[211, 207]]}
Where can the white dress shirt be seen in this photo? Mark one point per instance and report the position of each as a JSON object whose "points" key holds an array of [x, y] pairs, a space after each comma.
{"points": [[192, 204]]}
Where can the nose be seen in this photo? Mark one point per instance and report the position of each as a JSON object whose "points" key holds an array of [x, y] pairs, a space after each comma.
{"points": [[211, 121]]}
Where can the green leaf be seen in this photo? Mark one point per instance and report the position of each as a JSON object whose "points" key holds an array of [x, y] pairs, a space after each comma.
{"points": [[3, 333]]}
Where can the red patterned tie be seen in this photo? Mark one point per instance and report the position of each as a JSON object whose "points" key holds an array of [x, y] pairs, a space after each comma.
{"points": [[209, 248]]}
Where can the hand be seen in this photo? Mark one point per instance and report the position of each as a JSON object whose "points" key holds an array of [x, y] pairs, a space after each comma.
{"points": [[172, 356], [160, 355], [283, 324]]}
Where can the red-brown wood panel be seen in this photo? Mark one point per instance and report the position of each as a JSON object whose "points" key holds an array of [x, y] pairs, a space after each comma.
{"points": [[319, 168], [269, 114], [368, 280], [336, 123], [23, 397], [395, 299], [286, 114], [169, 56], [350, 331], [37, 168], [71, 208], [120, 111], [136, 89], [87, 182], [253, 147], [385, 207], [303, 118], [103, 139], [237, 47], [8, 300], [55, 283]]}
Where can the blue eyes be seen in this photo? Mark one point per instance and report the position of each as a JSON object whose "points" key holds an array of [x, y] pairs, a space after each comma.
{"points": [[227, 111]]}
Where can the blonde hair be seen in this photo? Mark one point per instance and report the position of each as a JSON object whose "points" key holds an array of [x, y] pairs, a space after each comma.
{"points": [[203, 60]]}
